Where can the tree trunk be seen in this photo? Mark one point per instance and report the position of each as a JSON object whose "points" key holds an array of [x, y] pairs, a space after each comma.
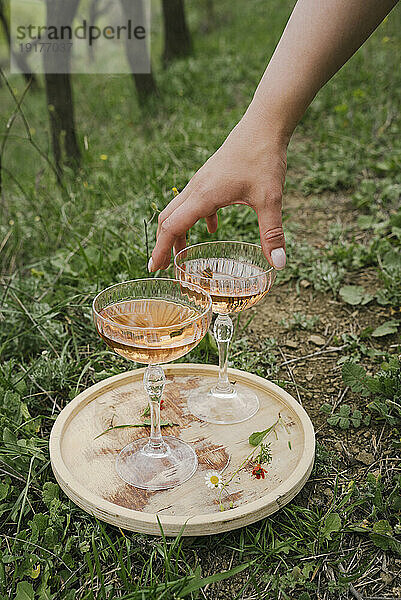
{"points": [[59, 91], [62, 124], [210, 15], [145, 86], [18, 59], [177, 38], [145, 83], [96, 11]]}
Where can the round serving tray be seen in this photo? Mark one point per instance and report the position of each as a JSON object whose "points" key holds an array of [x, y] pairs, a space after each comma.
{"points": [[83, 464]]}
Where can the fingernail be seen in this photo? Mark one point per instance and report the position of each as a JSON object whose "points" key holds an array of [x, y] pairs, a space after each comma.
{"points": [[278, 258], [150, 265]]}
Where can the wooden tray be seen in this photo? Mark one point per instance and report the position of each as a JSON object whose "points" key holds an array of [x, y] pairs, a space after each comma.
{"points": [[84, 466]]}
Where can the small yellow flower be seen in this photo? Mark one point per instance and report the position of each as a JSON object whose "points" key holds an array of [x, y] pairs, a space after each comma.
{"points": [[385, 39], [359, 93], [213, 480], [11, 222], [103, 157], [35, 572], [175, 191], [85, 184], [37, 273], [37, 218]]}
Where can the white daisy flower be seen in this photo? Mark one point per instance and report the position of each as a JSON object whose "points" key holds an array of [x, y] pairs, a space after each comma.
{"points": [[213, 480]]}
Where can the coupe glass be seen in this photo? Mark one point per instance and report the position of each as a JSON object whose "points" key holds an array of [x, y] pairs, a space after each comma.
{"points": [[237, 276], [153, 321]]}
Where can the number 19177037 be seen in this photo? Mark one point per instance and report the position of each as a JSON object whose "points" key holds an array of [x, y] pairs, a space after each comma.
{"points": [[39, 47]]}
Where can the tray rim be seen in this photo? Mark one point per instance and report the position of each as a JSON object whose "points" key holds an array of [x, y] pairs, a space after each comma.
{"points": [[203, 524]]}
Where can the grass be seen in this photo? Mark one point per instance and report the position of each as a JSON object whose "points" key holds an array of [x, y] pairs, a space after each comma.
{"points": [[58, 248]]}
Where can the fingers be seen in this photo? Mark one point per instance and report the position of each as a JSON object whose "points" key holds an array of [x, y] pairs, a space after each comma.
{"points": [[180, 240], [173, 229], [179, 244], [171, 206], [271, 231]]}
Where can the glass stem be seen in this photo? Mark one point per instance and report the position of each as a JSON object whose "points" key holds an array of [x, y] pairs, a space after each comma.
{"points": [[223, 332], [154, 380]]}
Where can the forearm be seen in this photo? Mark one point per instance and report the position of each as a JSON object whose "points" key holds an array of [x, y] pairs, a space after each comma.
{"points": [[320, 36]]}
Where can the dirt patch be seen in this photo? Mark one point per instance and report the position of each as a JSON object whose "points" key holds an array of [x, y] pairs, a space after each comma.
{"points": [[317, 375], [316, 379]]}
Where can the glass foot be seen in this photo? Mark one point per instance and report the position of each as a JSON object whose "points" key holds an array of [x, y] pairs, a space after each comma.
{"points": [[224, 409], [139, 466]]}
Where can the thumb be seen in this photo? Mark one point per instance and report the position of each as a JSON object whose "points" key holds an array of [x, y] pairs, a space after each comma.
{"points": [[271, 233]]}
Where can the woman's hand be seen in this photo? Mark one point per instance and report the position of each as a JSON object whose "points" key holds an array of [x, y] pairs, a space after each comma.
{"points": [[249, 168]]}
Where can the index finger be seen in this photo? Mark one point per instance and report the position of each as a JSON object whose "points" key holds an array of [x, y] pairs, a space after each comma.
{"points": [[172, 206], [173, 227]]}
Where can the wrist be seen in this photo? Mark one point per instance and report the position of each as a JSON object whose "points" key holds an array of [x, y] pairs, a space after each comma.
{"points": [[270, 121]]}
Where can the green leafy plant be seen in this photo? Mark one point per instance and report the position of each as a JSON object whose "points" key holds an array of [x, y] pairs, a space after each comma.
{"points": [[355, 294], [300, 321], [387, 328], [385, 387], [263, 456], [332, 524], [345, 417], [326, 276], [390, 275], [383, 519]]}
